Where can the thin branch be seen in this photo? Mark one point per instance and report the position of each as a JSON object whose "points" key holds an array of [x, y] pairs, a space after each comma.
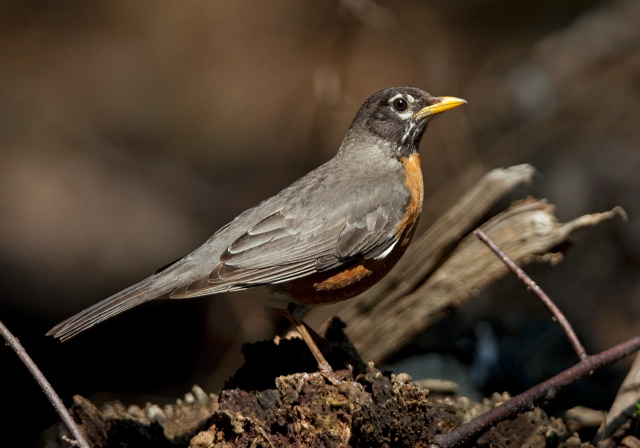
{"points": [[557, 314], [469, 432], [55, 400]]}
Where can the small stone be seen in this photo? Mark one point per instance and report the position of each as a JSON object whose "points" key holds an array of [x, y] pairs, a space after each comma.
{"points": [[200, 394], [586, 416], [155, 413], [438, 385], [204, 439], [402, 378]]}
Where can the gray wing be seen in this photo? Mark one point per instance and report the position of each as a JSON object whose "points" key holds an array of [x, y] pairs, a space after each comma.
{"points": [[290, 244]]}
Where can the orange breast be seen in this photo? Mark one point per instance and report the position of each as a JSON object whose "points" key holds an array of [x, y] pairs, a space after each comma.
{"points": [[413, 180]]}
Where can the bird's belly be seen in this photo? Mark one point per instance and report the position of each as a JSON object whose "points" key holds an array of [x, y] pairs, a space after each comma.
{"points": [[338, 284]]}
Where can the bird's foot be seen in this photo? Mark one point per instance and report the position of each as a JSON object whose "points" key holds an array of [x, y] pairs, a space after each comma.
{"points": [[328, 373]]}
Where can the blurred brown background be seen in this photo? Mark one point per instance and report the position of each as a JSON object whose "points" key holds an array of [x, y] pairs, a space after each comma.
{"points": [[131, 131]]}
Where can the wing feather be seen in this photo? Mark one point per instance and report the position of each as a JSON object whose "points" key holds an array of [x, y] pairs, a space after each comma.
{"points": [[284, 247]]}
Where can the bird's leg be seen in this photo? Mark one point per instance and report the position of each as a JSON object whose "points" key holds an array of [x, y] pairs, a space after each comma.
{"points": [[323, 366]]}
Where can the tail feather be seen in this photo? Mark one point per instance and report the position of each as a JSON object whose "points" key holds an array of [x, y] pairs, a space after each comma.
{"points": [[148, 289]]}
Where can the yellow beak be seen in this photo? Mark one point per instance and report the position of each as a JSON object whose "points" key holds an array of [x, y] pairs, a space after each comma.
{"points": [[445, 103]]}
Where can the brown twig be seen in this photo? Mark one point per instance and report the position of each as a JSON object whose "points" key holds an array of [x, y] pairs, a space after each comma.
{"points": [[546, 390], [55, 400], [555, 311]]}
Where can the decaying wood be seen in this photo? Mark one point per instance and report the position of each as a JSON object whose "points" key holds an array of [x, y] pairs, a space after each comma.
{"points": [[294, 409], [447, 264], [302, 410]]}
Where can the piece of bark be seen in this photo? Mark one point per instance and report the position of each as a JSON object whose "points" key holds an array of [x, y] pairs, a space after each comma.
{"points": [[444, 267], [625, 404]]}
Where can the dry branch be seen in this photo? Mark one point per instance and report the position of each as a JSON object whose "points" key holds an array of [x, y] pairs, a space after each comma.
{"points": [[544, 298], [48, 390]]}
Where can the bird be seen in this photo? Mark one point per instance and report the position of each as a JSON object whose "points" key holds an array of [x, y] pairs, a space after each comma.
{"points": [[326, 238]]}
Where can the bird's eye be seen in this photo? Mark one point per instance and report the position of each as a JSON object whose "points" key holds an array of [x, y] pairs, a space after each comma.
{"points": [[400, 104]]}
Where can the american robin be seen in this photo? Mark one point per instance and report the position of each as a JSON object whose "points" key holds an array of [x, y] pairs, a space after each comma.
{"points": [[326, 238]]}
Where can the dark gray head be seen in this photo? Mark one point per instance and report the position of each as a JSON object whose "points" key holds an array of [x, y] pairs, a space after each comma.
{"points": [[397, 118]]}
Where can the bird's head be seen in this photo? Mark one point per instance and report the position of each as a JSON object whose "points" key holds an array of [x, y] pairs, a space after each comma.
{"points": [[397, 117]]}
